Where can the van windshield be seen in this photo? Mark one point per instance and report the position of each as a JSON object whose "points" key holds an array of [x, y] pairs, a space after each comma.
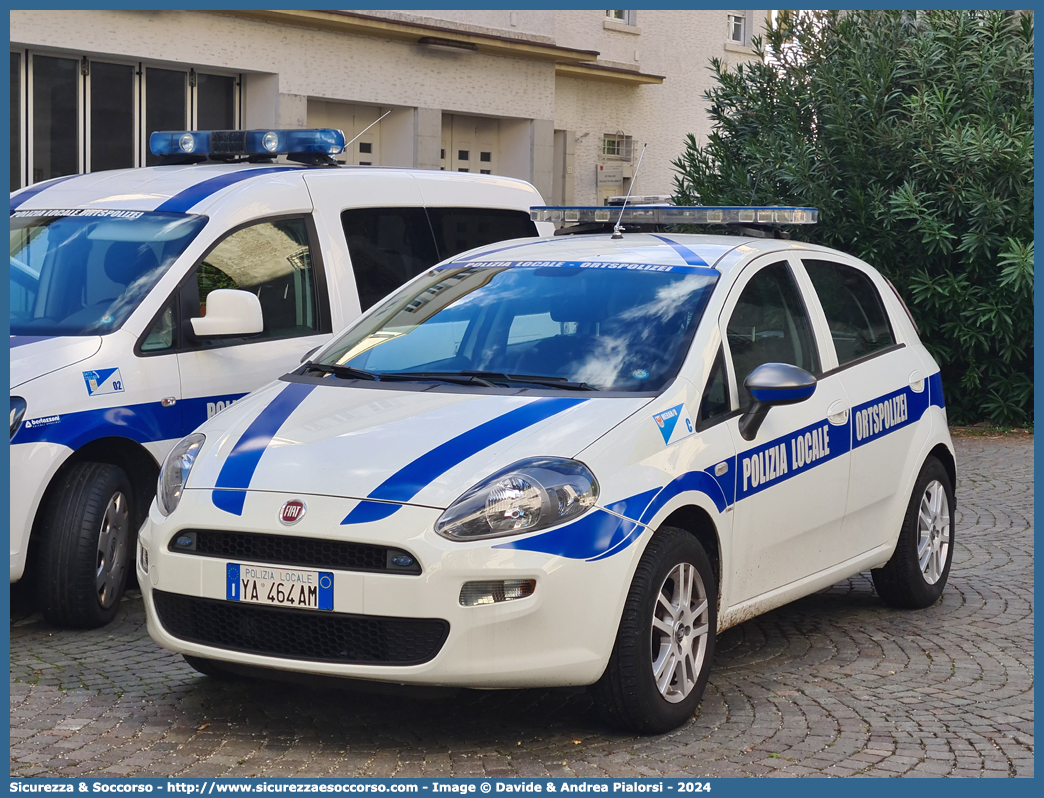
{"points": [[553, 325], [84, 272]]}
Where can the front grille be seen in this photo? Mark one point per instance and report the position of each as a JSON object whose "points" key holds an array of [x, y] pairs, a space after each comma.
{"points": [[300, 634], [337, 555]]}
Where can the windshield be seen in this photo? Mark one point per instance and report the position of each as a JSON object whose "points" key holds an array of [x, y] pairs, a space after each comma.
{"points": [[84, 272], [583, 326]]}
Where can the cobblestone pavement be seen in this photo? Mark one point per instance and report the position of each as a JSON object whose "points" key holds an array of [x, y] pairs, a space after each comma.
{"points": [[834, 684]]}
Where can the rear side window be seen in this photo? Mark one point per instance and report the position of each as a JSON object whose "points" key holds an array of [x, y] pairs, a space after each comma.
{"points": [[857, 319], [388, 247], [460, 229]]}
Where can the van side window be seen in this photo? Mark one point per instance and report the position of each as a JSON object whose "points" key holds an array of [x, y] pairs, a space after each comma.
{"points": [[460, 229], [272, 260], [160, 336], [857, 319], [388, 247]]}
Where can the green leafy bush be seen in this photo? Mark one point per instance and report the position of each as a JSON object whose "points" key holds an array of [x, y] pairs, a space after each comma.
{"points": [[914, 138]]}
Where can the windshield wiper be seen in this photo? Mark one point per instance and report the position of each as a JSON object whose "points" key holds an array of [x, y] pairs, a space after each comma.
{"points": [[551, 382], [453, 377], [344, 372]]}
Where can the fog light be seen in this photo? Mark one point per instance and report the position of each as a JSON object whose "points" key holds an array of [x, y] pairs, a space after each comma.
{"points": [[475, 593], [184, 542]]}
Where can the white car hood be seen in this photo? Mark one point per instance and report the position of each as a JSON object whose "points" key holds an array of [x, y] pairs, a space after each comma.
{"points": [[419, 447], [33, 356]]}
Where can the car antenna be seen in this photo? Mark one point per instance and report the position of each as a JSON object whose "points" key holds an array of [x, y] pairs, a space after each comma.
{"points": [[350, 143], [617, 229]]}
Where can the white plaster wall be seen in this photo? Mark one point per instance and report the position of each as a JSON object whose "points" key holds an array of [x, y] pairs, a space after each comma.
{"points": [[677, 44], [285, 65], [534, 24], [308, 62]]}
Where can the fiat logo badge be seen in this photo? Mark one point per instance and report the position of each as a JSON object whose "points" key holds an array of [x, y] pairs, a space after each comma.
{"points": [[292, 512]]}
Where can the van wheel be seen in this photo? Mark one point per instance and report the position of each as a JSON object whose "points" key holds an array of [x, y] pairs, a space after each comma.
{"points": [[85, 546], [915, 576], [665, 646]]}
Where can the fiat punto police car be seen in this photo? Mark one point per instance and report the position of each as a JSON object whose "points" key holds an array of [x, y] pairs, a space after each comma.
{"points": [[144, 301], [564, 461]]}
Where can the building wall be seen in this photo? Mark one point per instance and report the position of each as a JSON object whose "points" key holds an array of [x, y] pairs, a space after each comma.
{"points": [[678, 45], [553, 124]]}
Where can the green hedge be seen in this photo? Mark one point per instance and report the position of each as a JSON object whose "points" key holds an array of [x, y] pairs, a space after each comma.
{"points": [[913, 135]]}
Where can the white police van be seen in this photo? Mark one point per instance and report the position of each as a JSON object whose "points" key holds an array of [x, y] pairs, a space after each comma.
{"points": [[564, 461], [145, 301]]}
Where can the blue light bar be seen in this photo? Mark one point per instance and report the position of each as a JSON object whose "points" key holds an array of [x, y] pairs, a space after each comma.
{"points": [[326, 141], [675, 214]]}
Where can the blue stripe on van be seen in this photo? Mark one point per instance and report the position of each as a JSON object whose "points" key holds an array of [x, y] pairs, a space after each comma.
{"points": [[32, 191], [185, 200]]}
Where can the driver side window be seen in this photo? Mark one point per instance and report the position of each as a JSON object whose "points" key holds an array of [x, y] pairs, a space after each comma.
{"points": [[770, 325], [272, 260]]}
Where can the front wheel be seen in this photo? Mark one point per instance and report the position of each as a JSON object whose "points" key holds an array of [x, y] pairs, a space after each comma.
{"points": [[85, 546], [665, 645], [915, 576]]}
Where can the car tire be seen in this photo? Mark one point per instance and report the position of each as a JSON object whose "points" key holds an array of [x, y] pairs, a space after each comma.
{"points": [[85, 548], [643, 690], [916, 574], [208, 667]]}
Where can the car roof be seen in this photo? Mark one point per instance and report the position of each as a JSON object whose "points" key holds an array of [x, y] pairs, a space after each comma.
{"points": [[722, 252], [180, 188]]}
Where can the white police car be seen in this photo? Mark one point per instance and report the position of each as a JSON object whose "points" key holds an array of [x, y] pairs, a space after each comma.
{"points": [[567, 461], [144, 301]]}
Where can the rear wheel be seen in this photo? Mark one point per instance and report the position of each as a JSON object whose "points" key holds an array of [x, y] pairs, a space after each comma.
{"points": [[85, 546], [915, 576], [665, 645]]}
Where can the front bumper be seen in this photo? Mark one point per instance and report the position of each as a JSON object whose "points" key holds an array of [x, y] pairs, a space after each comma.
{"points": [[561, 635]]}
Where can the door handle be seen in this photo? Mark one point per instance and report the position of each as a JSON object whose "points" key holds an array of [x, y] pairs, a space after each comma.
{"points": [[837, 413]]}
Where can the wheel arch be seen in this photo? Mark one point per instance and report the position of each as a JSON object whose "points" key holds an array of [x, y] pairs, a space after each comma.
{"points": [[136, 461], [942, 453], [698, 522]]}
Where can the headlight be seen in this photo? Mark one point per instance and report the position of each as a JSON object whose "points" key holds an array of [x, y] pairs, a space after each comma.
{"points": [[529, 495], [175, 471], [17, 412]]}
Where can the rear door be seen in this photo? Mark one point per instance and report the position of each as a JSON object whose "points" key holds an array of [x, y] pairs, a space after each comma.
{"points": [[889, 392]]}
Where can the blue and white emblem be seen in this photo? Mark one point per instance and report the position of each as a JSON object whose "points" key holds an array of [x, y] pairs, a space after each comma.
{"points": [[103, 381], [674, 424]]}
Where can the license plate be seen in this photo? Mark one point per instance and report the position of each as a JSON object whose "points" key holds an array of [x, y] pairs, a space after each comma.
{"points": [[281, 587]]}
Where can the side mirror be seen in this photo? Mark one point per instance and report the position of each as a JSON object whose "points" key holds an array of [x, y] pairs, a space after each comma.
{"points": [[229, 313], [773, 384]]}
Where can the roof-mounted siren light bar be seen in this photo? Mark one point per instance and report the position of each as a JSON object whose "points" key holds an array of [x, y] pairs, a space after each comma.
{"points": [[220, 144], [675, 214]]}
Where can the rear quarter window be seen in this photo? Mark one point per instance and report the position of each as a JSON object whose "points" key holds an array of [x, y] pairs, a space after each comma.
{"points": [[388, 247], [460, 229]]}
